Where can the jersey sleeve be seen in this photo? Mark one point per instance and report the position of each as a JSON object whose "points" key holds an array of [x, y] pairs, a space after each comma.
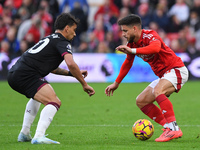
{"points": [[152, 48], [152, 41], [64, 47], [126, 66]]}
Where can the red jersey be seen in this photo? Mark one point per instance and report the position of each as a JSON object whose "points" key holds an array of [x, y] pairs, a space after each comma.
{"points": [[151, 48]]}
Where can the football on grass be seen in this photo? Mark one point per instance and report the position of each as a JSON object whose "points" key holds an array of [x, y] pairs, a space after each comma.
{"points": [[143, 129]]}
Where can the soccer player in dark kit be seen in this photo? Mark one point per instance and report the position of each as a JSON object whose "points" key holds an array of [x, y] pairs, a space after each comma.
{"points": [[170, 69], [27, 77]]}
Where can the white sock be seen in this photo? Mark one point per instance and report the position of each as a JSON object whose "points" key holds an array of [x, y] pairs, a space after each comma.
{"points": [[173, 126], [31, 110], [166, 125], [46, 116]]}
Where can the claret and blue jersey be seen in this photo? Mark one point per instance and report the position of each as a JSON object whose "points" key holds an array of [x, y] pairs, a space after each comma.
{"points": [[36, 59]]}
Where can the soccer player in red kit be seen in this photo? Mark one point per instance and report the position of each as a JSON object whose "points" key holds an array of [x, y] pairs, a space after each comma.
{"points": [[170, 69]]}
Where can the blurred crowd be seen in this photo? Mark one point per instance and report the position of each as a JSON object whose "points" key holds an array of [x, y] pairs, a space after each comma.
{"points": [[24, 22]]}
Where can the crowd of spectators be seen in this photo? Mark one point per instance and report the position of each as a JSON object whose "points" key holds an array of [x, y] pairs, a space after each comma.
{"points": [[24, 22]]}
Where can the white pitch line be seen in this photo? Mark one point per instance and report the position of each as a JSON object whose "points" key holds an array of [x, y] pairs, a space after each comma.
{"points": [[93, 125]]}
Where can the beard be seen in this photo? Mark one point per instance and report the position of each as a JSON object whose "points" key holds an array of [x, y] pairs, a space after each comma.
{"points": [[131, 39], [71, 39]]}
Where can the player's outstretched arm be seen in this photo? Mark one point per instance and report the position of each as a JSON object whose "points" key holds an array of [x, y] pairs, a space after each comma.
{"points": [[125, 49], [88, 89], [60, 71], [111, 88], [84, 73], [152, 48], [76, 72]]}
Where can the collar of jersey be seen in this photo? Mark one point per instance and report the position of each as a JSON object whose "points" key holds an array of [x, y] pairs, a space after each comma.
{"points": [[63, 37]]}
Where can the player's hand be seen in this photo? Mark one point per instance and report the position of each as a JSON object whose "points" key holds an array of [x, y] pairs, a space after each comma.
{"points": [[124, 49], [88, 89], [111, 88], [84, 73]]}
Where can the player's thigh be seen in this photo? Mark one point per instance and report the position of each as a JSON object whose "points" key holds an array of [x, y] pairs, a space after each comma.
{"points": [[145, 97], [46, 94], [164, 86], [177, 76]]}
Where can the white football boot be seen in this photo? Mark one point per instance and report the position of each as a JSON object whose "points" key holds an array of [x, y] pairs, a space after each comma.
{"points": [[24, 138], [43, 140]]}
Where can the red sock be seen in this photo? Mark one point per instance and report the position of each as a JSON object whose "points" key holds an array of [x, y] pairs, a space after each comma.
{"points": [[153, 112], [166, 107]]}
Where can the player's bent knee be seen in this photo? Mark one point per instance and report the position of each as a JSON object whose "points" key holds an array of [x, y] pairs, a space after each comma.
{"points": [[55, 102], [56, 105], [59, 102], [139, 102], [156, 92]]}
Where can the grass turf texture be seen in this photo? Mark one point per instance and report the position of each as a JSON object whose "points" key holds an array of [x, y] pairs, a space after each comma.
{"points": [[99, 122]]}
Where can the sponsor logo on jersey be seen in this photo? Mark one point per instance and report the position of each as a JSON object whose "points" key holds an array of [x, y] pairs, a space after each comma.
{"points": [[55, 36], [149, 36], [146, 57]]}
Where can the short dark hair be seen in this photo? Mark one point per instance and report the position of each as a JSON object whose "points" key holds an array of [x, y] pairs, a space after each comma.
{"points": [[131, 19], [65, 19]]}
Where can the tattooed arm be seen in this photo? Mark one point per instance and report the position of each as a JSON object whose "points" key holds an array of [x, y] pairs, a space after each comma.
{"points": [[60, 71]]}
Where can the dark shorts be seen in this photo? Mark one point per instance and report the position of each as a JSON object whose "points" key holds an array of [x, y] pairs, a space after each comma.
{"points": [[26, 83]]}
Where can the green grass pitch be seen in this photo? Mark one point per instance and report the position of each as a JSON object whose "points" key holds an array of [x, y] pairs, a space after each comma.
{"points": [[100, 122]]}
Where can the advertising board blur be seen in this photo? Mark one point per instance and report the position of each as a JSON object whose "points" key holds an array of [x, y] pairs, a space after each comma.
{"points": [[105, 68]]}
